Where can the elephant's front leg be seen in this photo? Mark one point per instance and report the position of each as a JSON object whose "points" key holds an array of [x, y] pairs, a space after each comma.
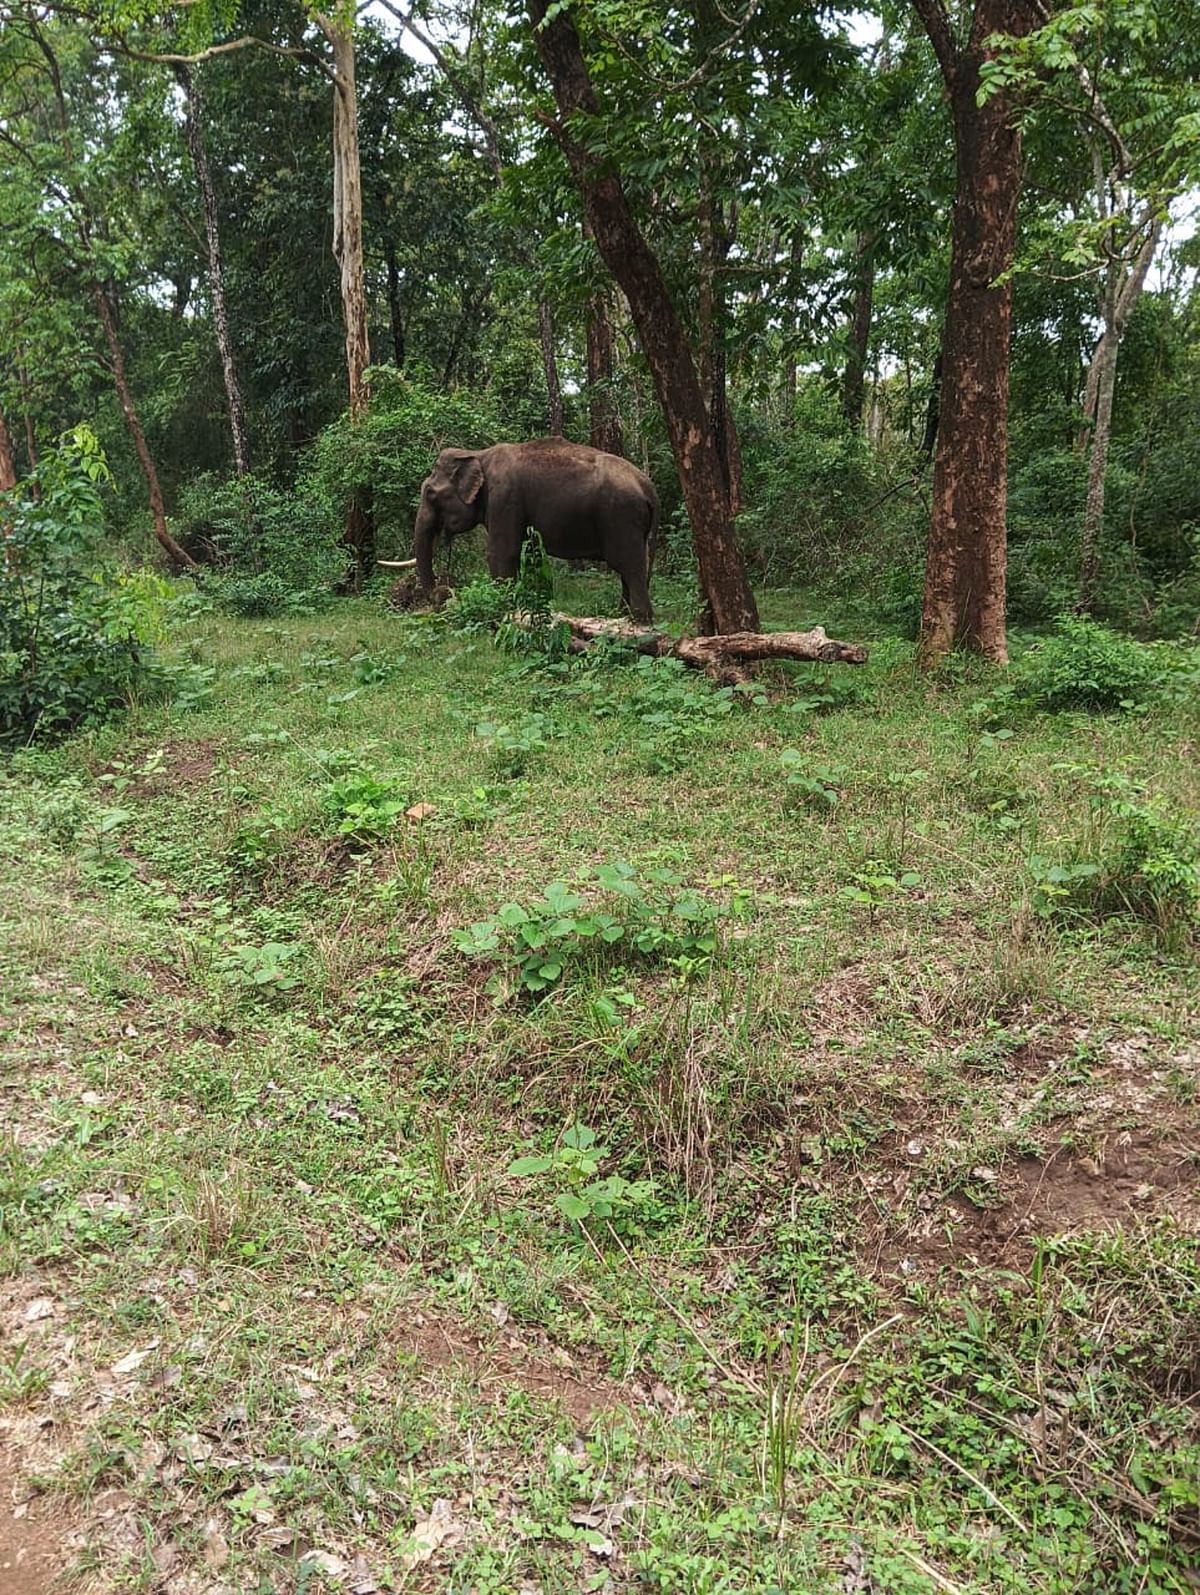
{"points": [[505, 532]]}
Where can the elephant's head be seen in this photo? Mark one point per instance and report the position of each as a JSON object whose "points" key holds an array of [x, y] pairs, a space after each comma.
{"points": [[453, 499]]}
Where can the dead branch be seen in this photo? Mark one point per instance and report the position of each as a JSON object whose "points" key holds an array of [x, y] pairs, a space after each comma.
{"points": [[720, 654]]}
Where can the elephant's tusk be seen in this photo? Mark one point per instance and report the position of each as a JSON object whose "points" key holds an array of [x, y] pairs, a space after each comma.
{"points": [[397, 564]]}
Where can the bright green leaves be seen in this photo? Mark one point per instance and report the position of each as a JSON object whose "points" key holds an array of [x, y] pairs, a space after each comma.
{"points": [[584, 923]]}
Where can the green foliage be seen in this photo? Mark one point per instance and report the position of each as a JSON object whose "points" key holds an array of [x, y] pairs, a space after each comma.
{"points": [[612, 907], [807, 486], [1083, 664], [1135, 856], [480, 605], [271, 552], [73, 635], [393, 448], [365, 806], [814, 785], [571, 1171], [263, 967], [531, 628], [514, 746]]}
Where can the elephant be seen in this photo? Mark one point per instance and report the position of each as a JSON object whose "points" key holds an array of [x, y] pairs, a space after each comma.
{"points": [[585, 504]]}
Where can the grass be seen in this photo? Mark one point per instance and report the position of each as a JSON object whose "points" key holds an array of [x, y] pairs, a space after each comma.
{"points": [[885, 1279]]}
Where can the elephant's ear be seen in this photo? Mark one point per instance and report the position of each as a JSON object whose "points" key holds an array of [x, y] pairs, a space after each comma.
{"points": [[468, 478]]}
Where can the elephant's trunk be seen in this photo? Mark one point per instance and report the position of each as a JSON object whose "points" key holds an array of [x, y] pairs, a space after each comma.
{"points": [[423, 535]]}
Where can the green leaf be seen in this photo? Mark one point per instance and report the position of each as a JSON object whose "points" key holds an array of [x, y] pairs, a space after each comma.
{"points": [[530, 1165]]}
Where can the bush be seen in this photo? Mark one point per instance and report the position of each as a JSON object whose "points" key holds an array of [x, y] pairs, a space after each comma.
{"points": [[74, 636], [1084, 665], [1135, 857], [392, 448], [271, 553]]}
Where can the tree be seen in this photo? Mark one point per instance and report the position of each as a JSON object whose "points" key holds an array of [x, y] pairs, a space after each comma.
{"points": [[1121, 82], [57, 165], [623, 246], [194, 127], [964, 601]]}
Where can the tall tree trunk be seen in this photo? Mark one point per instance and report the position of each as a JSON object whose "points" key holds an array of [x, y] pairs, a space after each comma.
{"points": [[550, 366], [116, 357], [660, 330], [604, 421], [1118, 299], [854, 380], [194, 126], [8, 464], [359, 534], [8, 480], [395, 308], [1105, 367], [964, 602]]}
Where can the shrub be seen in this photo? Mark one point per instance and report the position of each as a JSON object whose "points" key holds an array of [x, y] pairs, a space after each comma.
{"points": [[1084, 665], [73, 635], [270, 553], [643, 915], [392, 448], [1135, 857]]}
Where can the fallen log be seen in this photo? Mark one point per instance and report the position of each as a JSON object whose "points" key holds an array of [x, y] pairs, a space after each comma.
{"points": [[722, 654]]}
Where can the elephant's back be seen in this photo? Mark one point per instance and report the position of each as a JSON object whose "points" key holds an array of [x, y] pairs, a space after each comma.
{"points": [[590, 470]]}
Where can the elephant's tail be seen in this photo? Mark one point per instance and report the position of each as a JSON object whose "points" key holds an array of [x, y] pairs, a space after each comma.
{"points": [[652, 534]]}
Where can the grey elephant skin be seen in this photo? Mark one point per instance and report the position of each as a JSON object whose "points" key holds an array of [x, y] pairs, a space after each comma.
{"points": [[584, 503]]}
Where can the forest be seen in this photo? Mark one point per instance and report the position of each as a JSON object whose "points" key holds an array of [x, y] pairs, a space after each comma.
{"points": [[502, 1094]]}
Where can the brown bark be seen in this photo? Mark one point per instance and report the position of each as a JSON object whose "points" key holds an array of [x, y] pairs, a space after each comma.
{"points": [[8, 464], [854, 380], [964, 600], [193, 125], [720, 652], [550, 367], [604, 421], [8, 480], [664, 343], [116, 357]]}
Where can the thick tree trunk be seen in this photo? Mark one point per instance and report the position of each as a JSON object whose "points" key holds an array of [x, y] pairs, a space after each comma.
{"points": [[348, 213], [359, 534], [550, 366], [664, 343], [194, 127], [965, 570], [116, 355], [854, 380], [395, 308]]}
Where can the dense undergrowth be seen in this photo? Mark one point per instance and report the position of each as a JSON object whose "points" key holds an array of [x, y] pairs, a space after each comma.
{"points": [[661, 1140]]}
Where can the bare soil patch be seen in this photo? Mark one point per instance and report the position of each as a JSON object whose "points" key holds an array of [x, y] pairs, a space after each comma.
{"points": [[34, 1533], [1126, 1179], [496, 1364]]}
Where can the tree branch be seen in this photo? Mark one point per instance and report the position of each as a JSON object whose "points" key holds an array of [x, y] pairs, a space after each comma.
{"points": [[936, 22]]}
